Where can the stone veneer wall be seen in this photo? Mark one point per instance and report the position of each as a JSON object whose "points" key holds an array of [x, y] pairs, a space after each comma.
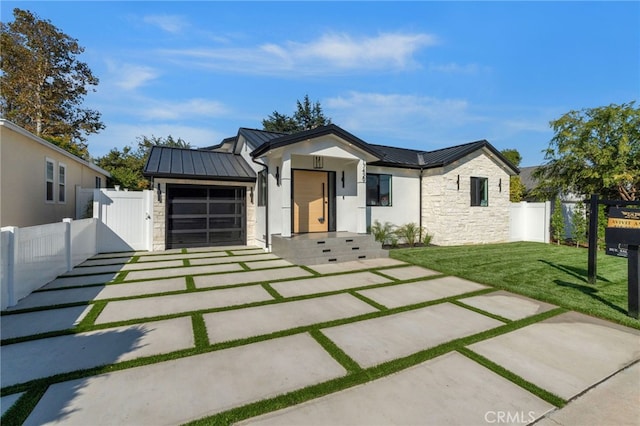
{"points": [[160, 208], [446, 211]]}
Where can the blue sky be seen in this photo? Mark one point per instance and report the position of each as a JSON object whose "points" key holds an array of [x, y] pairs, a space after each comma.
{"points": [[421, 75]]}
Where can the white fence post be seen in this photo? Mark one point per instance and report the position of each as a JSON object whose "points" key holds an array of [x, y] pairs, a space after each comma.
{"points": [[12, 251], [68, 251], [547, 222]]}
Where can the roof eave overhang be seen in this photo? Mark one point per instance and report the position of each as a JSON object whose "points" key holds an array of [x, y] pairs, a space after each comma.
{"points": [[200, 177]]}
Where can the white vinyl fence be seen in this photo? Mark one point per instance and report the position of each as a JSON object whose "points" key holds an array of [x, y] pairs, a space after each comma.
{"points": [[530, 222], [125, 220], [35, 255]]}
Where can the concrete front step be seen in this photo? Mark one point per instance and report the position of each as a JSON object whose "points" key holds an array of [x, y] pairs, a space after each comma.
{"points": [[319, 248]]}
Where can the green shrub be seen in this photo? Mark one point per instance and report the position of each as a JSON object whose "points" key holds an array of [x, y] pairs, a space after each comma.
{"points": [[557, 222], [411, 233], [579, 224], [383, 233]]}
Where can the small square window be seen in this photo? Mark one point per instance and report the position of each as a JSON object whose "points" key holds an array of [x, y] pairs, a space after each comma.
{"points": [[479, 192]]}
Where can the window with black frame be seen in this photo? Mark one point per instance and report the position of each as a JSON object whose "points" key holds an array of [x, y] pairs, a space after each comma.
{"points": [[378, 190], [262, 188], [479, 192]]}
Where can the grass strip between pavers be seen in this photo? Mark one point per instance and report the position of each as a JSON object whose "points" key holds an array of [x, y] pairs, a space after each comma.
{"points": [[18, 413], [368, 301], [536, 390], [200, 335], [272, 292], [480, 311], [366, 375], [335, 351]]}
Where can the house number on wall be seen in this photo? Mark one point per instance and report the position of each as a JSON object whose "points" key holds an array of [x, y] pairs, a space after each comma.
{"points": [[364, 172], [317, 162]]}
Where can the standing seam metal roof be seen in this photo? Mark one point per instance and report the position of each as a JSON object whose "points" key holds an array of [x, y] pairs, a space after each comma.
{"points": [[198, 164]]}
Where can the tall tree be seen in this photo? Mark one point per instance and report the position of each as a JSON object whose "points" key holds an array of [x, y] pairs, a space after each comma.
{"points": [[594, 151], [126, 166], [307, 116], [516, 187], [43, 81]]}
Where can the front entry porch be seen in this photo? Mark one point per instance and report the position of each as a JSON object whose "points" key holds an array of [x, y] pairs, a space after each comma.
{"points": [[326, 247]]}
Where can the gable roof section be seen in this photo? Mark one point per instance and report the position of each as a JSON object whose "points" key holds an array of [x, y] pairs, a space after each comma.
{"points": [[197, 164], [397, 157], [255, 138], [444, 157], [331, 129]]}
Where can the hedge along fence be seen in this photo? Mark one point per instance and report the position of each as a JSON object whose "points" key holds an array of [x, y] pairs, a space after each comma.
{"points": [[35, 255]]}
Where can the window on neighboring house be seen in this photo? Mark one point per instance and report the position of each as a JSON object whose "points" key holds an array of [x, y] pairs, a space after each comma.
{"points": [[262, 188], [378, 190], [49, 180], [98, 182], [479, 191], [62, 183]]}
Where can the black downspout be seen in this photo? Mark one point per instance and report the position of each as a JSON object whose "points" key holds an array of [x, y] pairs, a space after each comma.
{"points": [[420, 206], [266, 204]]}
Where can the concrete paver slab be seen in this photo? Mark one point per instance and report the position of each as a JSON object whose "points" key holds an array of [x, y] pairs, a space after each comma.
{"points": [[410, 272], [7, 402], [185, 270], [448, 390], [175, 392], [565, 354], [615, 401], [20, 325], [248, 251], [268, 264], [125, 310], [378, 340], [227, 259], [508, 305], [259, 320], [22, 362], [106, 261], [219, 248], [99, 269], [326, 284], [152, 265], [75, 295], [249, 277], [180, 256], [81, 281], [114, 255], [355, 265], [418, 292]]}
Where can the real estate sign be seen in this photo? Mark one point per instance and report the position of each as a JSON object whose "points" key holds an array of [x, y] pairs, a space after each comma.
{"points": [[623, 228]]}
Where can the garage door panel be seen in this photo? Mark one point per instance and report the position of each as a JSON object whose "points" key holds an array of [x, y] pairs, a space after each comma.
{"points": [[205, 216]]}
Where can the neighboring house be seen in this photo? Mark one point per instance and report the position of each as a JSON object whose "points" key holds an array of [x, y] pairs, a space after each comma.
{"points": [[38, 180], [258, 184]]}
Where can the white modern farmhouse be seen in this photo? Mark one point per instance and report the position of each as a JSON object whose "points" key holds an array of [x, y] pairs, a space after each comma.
{"points": [[259, 187]]}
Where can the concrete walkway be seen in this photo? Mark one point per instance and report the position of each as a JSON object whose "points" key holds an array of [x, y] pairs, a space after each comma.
{"points": [[214, 329]]}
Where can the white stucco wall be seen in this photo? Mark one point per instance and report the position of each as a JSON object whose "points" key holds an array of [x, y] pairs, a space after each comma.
{"points": [[447, 212], [405, 194]]}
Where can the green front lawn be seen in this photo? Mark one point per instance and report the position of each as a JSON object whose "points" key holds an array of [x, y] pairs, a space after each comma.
{"points": [[554, 274]]}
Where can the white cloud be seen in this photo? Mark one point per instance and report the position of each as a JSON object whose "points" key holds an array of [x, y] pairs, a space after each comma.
{"points": [[192, 108], [399, 116], [118, 135], [170, 23], [131, 76], [330, 53]]}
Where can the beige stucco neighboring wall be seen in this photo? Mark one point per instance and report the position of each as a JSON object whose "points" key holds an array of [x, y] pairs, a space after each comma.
{"points": [[160, 207], [446, 210], [22, 178]]}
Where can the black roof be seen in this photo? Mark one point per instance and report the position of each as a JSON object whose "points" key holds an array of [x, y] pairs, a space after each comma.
{"points": [[256, 138], [289, 139], [396, 157], [527, 178], [197, 164]]}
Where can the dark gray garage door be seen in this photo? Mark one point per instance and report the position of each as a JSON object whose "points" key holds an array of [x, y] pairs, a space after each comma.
{"points": [[201, 216]]}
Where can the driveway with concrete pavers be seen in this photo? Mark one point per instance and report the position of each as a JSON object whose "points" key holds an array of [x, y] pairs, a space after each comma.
{"points": [[183, 335]]}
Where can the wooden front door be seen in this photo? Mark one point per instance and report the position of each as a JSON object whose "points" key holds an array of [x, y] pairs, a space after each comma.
{"points": [[310, 201]]}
